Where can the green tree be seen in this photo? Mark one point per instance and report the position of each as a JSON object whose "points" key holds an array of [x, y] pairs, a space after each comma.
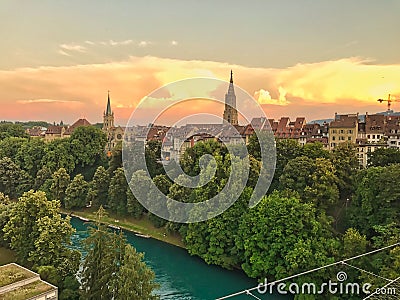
{"points": [[99, 186], [153, 155], [344, 158], [43, 175], [10, 146], [116, 159], [297, 174], [253, 147], [135, 279], [58, 154], [12, 130], [30, 156], [286, 150], [384, 157], [376, 200], [13, 180], [76, 193], [40, 236], [282, 236], [87, 144], [315, 150], [104, 254], [112, 269], [163, 183], [6, 207], [59, 184], [313, 179], [214, 239], [354, 243], [117, 196]]}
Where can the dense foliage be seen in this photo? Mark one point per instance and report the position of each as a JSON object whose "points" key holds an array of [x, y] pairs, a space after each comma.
{"points": [[320, 208], [112, 269]]}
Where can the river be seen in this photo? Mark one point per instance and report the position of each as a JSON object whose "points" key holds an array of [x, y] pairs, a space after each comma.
{"points": [[180, 276]]}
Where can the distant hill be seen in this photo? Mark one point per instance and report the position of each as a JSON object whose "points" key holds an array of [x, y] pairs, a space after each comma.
{"points": [[28, 124]]}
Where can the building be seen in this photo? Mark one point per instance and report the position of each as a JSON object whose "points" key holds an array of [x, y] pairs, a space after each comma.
{"points": [[392, 131], [60, 131], [54, 132], [286, 129], [36, 132], [177, 139], [375, 128], [230, 112], [114, 134], [17, 282], [365, 148], [344, 128], [369, 132], [313, 133]]}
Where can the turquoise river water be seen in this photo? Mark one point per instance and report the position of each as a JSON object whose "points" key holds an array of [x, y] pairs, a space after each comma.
{"points": [[181, 276]]}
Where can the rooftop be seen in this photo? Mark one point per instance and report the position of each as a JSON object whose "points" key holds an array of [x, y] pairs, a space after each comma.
{"points": [[27, 291], [12, 273], [19, 283]]}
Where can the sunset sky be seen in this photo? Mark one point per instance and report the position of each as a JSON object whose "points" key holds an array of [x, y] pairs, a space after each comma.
{"points": [[297, 58]]}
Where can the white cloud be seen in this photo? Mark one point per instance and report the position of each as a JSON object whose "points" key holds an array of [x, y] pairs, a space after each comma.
{"points": [[62, 52], [120, 43], [282, 96], [89, 42], [264, 97], [174, 43], [73, 47], [144, 43]]}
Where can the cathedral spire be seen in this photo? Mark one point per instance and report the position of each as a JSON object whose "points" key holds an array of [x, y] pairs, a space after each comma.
{"points": [[108, 110], [230, 112]]}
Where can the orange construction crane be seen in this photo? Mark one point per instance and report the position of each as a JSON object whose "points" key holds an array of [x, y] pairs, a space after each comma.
{"points": [[389, 101]]}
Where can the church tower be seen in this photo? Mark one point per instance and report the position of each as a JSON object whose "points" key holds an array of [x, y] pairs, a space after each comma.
{"points": [[108, 117], [230, 112]]}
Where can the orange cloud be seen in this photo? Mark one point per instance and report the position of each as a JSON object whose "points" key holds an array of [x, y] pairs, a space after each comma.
{"points": [[314, 90]]}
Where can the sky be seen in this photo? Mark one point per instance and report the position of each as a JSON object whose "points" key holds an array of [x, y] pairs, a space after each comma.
{"points": [[296, 58]]}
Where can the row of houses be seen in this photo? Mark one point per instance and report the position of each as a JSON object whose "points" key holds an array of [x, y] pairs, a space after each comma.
{"points": [[368, 132], [53, 132]]}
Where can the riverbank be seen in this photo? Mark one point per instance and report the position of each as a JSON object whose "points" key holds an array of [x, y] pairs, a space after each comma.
{"points": [[6, 256], [141, 226]]}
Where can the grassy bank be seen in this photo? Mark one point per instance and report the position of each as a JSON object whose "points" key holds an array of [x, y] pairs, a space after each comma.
{"points": [[6, 256], [142, 226]]}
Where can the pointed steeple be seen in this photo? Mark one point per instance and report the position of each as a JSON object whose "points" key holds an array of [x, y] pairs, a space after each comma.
{"points": [[108, 110], [230, 112]]}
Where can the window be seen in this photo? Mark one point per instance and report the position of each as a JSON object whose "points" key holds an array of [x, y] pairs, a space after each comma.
{"points": [[333, 130], [349, 138], [341, 131], [373, 136], [333, 138], [349, 131], [369, 136]]}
